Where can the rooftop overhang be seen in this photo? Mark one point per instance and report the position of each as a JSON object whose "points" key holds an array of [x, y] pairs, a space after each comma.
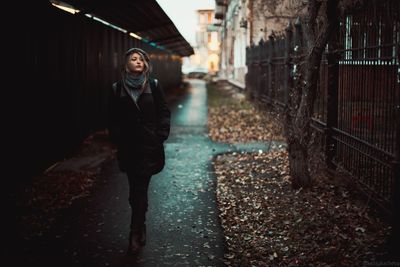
{"points": [[144, 18]]}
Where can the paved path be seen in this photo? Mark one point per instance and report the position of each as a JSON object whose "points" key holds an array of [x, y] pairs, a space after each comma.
{"points": [[183, 222]]}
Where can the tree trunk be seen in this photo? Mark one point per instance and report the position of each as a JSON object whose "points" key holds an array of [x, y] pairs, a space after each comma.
{"points": [[302, 96], [299, 173]]}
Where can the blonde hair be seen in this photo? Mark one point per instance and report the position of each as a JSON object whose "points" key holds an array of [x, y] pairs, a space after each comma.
{"points": [[146, 60]]}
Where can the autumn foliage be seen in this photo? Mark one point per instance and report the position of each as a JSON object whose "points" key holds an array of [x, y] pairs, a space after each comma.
{"points": [[268, 223]]}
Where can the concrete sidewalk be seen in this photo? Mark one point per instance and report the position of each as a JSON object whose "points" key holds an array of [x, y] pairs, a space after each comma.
{"points": [[183, 222]]}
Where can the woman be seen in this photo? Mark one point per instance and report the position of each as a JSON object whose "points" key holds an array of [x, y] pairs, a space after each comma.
{"points": [[139, 123]]}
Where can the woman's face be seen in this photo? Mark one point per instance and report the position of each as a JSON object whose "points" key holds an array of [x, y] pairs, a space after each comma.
{"points": [[135, 63]]}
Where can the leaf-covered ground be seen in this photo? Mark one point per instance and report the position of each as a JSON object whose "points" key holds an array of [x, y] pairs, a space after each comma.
{"points": [[232, 119], [55, 189], [265, 221]]}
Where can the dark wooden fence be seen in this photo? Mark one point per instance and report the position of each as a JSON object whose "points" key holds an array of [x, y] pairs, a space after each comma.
{"points": [[67, 64], [357, 110]]}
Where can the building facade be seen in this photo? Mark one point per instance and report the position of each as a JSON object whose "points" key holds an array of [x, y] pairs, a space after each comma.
{"points": [[207, 49], [246, 22]]}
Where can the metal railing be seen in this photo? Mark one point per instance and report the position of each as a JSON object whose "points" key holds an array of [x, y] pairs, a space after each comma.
{"points": [[358, 98]]}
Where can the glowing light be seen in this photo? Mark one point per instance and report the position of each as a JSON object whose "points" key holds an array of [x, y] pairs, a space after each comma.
{"points": [[65, 7], [134, 35], [107, 23]]}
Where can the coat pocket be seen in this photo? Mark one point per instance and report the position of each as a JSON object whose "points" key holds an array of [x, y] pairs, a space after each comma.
{"points": [[150, 137], [153, 152], [155, 160]]}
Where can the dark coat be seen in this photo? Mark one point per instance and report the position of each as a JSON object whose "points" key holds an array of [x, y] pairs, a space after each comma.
{"points": [[139, 131]]}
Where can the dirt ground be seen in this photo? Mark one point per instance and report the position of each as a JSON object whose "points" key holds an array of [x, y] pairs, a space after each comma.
{"points": [[265, 221]]}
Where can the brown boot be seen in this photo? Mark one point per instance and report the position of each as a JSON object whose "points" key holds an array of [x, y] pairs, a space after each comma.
{"points": [[135, 241]]}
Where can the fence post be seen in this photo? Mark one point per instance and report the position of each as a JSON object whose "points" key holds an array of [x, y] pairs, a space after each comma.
{"points": [[332, 100], [298, 38], [395, 235], [261, 74], [271, 46], [247, 75], [250, 82], [297, 51], [288, 62]]}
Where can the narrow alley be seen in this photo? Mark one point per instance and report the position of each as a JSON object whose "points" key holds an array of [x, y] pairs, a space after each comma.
{"points": [[183, 224]]}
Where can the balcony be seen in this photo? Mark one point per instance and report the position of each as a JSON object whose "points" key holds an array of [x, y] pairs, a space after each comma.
{"points": [[221, 2], [220, 12]]}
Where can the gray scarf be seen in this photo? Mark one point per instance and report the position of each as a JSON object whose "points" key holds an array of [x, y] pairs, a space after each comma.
{"points": [[134, 85]]}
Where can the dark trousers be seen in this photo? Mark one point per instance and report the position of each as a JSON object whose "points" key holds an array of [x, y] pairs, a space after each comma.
{"points": [[138, 199]]}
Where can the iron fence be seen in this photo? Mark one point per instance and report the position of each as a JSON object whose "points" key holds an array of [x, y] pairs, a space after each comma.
{"points": [[358, 95]]}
